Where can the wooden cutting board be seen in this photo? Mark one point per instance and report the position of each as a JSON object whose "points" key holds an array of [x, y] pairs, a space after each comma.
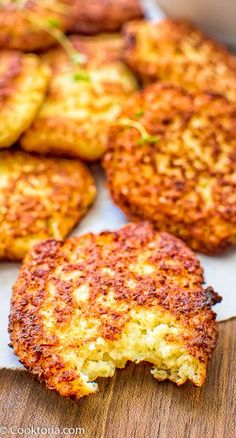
{"points": [[132, 404]]}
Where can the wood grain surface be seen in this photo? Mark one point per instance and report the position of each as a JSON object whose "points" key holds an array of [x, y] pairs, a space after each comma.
{"points": [[132, 404]]}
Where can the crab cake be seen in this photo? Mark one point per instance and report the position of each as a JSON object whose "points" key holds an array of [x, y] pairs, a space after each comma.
{"points": [[82, 100], [181, 172], [84, 307], [178, 52], [23, 83], [31, 27], [98, 16], [39, 198]]}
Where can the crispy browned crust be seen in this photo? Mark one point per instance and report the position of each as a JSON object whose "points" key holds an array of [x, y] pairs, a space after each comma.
{"points": [[44, 306], [97, 16], [185, 183], [178, 52], [17, 31], [40, 198], [74, 118]]}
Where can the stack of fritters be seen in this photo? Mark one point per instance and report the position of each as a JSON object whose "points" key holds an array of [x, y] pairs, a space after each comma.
{"points": [[69, 96], [85, 306], [96, 16]]}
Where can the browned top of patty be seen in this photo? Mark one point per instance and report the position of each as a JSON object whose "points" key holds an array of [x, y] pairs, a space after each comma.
{"points": [[23, 84], [30, 28], [97, 16], [179, 52], [82, 99], [183, 179]]}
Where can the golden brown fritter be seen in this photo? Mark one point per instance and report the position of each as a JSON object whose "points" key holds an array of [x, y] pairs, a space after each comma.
{"points": [[96, 16], [183, 177], [23, 84], [39, 198], [30, 28], [82, 100], [82, 307], [178, 52]]}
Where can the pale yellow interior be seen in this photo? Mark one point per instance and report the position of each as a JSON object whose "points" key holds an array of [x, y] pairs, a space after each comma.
{"points": [[150, 335]]}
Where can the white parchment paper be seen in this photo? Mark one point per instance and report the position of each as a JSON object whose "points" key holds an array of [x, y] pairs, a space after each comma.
{"points": [[220, 272]]}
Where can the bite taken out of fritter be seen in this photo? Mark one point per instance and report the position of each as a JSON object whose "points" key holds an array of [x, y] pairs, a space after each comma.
{"points": [[96, 16], [31, 26], [23, 84], [102, 300], [179, 52], [40, 198], [174, 163], [82, 100]]}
